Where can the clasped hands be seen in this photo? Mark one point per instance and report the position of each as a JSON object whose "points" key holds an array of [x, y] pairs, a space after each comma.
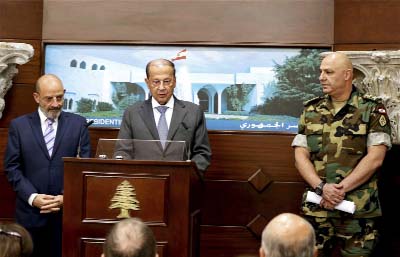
{"points": [[48, 203], [332, 195]]}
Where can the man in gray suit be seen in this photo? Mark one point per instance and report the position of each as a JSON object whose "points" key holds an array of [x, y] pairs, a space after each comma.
{"points": [[185, 121]]}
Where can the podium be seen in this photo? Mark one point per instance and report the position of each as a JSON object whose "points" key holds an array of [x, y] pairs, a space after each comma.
{"points": [[98, 193]]}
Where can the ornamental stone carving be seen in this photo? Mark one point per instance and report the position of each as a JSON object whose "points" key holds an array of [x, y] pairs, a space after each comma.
{"points": [[378, 73], [11, 54]]}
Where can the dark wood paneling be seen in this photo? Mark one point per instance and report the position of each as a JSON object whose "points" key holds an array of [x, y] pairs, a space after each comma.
{"points": [[3, 143], [20, 22], [19, 100], [367, 22], [366, 47], [237, 156], [237, 241], [21, 19], [7, 199], [246, 203], [194, 21]]}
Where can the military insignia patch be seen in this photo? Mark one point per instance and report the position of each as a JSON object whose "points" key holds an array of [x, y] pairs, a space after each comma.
{"points": [[382, 110], [382, 120]]}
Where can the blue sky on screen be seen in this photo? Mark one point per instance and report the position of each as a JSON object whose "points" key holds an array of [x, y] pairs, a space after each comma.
{"points": [[199, 59]]}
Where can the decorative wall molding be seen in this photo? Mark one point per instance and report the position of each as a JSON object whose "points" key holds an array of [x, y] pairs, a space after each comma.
{"points": [[378, 73], [11, 54]]}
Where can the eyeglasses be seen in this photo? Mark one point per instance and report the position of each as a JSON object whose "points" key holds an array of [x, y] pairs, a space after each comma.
{"points": [[10, 233], [165, 82]]}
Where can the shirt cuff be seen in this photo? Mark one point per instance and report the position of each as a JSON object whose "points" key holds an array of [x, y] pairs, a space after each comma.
{"points": [[300, 140], [31, 198], [379, 138]]}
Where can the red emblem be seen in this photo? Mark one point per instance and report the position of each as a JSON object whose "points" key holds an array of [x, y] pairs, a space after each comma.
{"points": [[382, 110]]}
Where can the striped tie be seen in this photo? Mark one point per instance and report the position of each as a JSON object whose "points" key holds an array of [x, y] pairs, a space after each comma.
{"points": [[49, 135], [162, 126]]}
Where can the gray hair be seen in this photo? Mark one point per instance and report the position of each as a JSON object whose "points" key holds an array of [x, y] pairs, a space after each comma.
{"points": [[130, 238], [288, 235]]}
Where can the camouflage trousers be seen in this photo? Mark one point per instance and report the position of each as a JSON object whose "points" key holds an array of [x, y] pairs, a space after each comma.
{"points": [[354, 237]]}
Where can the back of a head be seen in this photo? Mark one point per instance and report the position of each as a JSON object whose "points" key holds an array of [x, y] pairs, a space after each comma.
{"points": [[288, 235], [15, 241], [130, 238]]}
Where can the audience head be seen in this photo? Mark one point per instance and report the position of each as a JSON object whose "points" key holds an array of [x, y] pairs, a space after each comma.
{"points": [[49, 94], [15, 241], [161, 79], [288, 235], [130, 238]]}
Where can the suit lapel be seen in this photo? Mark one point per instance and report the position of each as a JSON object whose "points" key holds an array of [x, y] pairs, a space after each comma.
{"points": [[178, 115], [37, 132], [146, 112], [61, 128]]}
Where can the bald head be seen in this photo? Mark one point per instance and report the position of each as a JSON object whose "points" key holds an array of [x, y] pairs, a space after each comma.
{"points": [[130, 237], [288, 235], [48, 80], [340, 60]]}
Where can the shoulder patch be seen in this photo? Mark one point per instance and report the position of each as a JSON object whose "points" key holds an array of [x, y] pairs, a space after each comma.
{"points": [[381, 110], [372, 98], [313, 100]]}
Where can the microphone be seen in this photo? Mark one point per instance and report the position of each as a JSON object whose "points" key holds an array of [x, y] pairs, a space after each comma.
{"points": [[78, 151], [89, 123]]}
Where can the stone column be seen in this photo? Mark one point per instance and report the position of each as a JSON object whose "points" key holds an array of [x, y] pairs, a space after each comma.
{"points": [[377, 73], [11, 54]]}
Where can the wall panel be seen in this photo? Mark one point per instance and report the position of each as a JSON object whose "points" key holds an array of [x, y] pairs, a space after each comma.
{"points": [[195, 21], [367, 22], [21, 19], [20, 22]]}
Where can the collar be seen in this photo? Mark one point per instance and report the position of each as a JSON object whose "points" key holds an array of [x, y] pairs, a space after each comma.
{"points": [[353, 99], [169, 104]]}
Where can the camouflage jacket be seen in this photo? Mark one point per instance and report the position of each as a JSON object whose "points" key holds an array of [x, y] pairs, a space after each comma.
{"points": [[338, 142]]}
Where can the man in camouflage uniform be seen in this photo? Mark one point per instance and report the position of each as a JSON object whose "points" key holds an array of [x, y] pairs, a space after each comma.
{"points": [[341, 142]]}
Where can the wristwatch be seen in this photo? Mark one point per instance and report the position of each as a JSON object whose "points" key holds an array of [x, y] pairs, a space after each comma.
{"points": [[319, 189]]}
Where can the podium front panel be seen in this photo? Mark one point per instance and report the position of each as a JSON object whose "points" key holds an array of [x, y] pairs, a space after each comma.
{"points": [[99, 193], [107, 196]]}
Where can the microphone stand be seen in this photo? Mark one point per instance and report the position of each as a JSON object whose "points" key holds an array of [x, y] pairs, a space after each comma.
{"points": [[78, 151]]}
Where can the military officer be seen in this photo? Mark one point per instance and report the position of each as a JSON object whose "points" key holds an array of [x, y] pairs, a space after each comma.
{"points": [[341, 143]]}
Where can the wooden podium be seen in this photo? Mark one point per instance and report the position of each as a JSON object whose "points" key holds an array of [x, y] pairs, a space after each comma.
{"points": [[98, 193]]}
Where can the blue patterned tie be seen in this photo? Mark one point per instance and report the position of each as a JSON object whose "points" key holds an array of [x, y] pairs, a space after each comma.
{"points": [[49, 135], [162, 126]]}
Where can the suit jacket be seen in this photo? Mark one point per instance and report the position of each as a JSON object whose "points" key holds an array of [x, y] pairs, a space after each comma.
{"points": [[187, 124], [30, 169]]}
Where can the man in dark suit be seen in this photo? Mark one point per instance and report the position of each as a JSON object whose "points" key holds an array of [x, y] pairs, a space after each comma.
{"points": [[33, 162], [185, 121]]}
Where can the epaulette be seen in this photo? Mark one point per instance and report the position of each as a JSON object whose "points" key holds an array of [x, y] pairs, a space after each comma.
{"points": [[313, 100], [373, 98]]}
